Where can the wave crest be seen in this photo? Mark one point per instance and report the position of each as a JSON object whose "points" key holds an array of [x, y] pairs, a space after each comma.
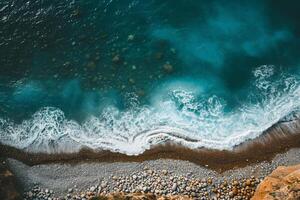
{"points": [[182, 118]]}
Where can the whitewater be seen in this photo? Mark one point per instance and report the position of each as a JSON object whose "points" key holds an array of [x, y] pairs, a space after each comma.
{"points": [[178, 114]]}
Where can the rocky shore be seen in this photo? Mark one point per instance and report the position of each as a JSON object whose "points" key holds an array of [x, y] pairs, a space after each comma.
{"points": [[8, 183], [159, 183], [276, 140], [282, 183], [165, 172], [154, 179]]}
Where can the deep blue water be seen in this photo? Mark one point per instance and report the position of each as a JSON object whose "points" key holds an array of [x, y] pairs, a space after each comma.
{"points": [[125, 74]]}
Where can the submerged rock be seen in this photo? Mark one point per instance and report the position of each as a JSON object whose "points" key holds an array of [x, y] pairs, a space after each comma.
{"points": [[116, 59], [168, 68], [130, 37], [159, 56]]}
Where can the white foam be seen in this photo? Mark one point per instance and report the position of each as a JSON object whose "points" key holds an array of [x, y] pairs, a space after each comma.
{"points": [[178, 117]]}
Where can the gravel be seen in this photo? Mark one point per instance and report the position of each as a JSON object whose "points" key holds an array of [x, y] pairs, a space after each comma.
{"points": [[161, 177]]}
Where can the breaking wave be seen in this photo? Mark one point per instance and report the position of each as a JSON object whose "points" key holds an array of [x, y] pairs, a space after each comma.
{"points": [[181, 117]]}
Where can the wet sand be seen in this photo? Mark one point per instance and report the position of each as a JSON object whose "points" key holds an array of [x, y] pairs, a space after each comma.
{"points": [[60, 177], [280, 145], [278, 139]]}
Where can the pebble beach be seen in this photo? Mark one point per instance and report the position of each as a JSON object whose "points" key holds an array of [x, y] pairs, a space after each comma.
{"points": [[160, 178], [149, 100]]}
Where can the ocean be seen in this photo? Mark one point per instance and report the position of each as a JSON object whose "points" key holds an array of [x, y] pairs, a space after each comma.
{"points": [[126, 75]]}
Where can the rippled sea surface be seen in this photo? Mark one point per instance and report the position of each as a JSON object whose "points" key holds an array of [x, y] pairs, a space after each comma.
{"points": [[124, 75]]}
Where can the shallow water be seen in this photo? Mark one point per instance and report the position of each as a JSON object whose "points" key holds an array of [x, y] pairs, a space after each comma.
{"points": [[125, 75]]}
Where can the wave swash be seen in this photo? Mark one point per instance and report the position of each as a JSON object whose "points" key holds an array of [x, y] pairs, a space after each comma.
{"points": [[179, 117]]}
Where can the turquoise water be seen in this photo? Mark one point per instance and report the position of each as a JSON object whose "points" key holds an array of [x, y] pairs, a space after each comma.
{"points": [[126, 75]]}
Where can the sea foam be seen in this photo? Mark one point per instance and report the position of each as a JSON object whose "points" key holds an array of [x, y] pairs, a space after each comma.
{"points": [[176, 114]]}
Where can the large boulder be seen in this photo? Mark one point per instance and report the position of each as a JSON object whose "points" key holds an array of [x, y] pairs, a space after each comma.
{"points": [[282, 183]]}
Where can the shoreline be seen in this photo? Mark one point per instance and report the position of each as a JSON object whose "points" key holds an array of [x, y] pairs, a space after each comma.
{"points": [[162, 171], [277, 139], [86, 179]]}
